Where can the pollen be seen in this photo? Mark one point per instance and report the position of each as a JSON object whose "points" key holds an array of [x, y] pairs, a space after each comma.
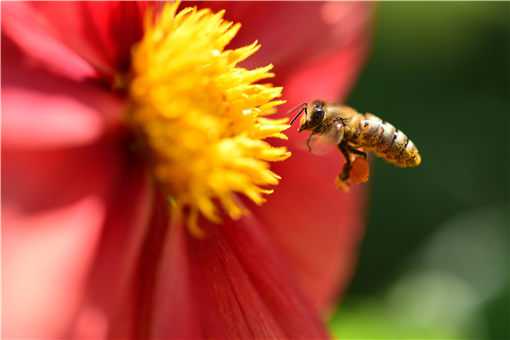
{"points": [[203, 118]]}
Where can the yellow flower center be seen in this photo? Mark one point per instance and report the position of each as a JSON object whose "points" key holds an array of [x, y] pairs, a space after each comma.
{"points": [[204, 118]]}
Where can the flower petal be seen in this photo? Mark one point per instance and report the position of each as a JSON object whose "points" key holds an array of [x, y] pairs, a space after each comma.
{"points": [[322, 233], [54, 204], [35, 181], [325, 45], [315, 225], [106, 310], [232, 284], [335, 74], [34, 35], [42, 110], [99, 33], [175, 313], [293, 34], [45, 258]]}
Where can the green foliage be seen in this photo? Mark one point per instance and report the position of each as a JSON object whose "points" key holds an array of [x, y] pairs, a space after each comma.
{"points": [[441, 73]]}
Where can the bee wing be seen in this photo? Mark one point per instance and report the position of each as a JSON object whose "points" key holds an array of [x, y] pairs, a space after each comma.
{"points": [[323, 143]]}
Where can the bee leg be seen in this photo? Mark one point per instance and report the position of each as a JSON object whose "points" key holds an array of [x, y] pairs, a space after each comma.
{"points": [[309, 141], [357, 152], [346, 171]]}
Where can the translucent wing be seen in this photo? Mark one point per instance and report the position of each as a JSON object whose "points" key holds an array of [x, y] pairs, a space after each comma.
{"points": [[323, 143]]}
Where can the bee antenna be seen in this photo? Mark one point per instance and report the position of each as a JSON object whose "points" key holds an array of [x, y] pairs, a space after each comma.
{"points": [[301, 108], [297, 115]]}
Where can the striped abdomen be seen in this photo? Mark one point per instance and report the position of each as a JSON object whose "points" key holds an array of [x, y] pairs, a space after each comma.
{"points": [[384, 140]]}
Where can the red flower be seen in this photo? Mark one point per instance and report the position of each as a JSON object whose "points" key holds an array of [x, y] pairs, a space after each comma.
{"points": [[88, 250]]}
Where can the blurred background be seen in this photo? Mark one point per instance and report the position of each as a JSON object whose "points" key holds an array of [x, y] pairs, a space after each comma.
{"points": [[435, 260]]}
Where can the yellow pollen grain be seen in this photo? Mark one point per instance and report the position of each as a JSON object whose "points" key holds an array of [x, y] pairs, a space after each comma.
{"points": [[204, 119]]}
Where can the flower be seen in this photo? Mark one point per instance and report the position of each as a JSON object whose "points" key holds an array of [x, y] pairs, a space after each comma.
{"points": [[202, 116], [88, 247]]}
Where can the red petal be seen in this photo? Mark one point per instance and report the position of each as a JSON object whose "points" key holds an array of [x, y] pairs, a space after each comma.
{"points": [[53, 205], [34, 181], [293, 34], [322, 233], [317, 49], [174, 307], [322, 230], [100, 33], [45, 258], [108, 307], [42, 110], [329, 78], [33, 35], [233, 285]]}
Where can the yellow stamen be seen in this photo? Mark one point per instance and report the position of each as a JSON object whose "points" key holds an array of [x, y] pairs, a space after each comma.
{"points": [[204, 118]]}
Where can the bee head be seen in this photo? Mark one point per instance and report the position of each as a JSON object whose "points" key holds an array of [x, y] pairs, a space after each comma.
{"points": [[314, 115]]}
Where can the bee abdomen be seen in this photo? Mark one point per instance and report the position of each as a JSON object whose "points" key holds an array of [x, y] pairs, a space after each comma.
{"points": [[386, 141]]}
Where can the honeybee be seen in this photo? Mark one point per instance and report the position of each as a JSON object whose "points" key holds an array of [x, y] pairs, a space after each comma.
{"points": [[355, 134]]}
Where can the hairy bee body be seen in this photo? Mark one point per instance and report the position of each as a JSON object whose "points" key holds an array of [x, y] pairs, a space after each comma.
{"points": [[356, 133]]}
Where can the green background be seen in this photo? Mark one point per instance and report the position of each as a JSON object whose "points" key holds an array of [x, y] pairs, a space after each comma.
{"points": [[435, 260]]}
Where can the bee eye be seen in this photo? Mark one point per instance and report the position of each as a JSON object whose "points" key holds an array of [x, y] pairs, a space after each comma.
{"points": [[317, 116]]}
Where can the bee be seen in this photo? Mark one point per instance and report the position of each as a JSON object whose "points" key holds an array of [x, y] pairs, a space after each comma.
{"points": [[355, 134]]}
